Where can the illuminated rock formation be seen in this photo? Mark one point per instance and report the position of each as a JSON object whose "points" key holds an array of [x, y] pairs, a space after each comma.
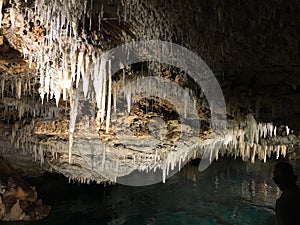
{"points": [[62, 108]]}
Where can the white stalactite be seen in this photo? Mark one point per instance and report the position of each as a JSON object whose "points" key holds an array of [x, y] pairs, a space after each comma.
{"points": [[287, 130], [2, 87], [12, 14], [73, 115], [115, 94], [1, 15], [109, 96]]}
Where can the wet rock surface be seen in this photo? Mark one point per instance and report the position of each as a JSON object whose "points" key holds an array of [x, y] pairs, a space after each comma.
{"points": [[18, 201]]}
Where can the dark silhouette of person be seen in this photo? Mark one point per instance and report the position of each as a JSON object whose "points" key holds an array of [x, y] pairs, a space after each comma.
{"points": [[288, 204]]}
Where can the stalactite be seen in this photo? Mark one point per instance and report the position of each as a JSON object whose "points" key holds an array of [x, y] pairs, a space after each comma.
{"points": [[253, 154], [185, 105], [73, 115], [265, 153], [270, 129], [19, 88], [103, 94], [128, 98], [1, 15], [283, 150], [287, 130], [2, 87], [277, 152], [35, 152], [115, 94], [252, 129], [103, 157], [41, 154], [109, 96], [12, 14]]}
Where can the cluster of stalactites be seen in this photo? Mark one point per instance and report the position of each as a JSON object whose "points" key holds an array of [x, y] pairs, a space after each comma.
{"points": [[19, 87], [22, 139], [64, 56], [251, 141], [62, 49], [257, 140], [84, 180], [18, 95]]}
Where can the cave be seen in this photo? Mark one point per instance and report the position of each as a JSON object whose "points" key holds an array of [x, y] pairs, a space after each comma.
{"points": [[165, 103]]}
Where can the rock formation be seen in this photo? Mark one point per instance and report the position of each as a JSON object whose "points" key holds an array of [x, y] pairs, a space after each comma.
{"points": [[18, 201], [63, 108]]}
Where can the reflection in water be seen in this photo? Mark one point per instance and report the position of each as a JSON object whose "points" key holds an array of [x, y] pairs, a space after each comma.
{"points": [[228, 192]]}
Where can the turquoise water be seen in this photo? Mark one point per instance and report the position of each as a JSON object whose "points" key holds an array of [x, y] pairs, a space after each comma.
{"points": [[228, 192]]}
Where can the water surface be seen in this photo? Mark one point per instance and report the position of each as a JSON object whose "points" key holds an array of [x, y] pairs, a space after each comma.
{"points": [[229, 192]]}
